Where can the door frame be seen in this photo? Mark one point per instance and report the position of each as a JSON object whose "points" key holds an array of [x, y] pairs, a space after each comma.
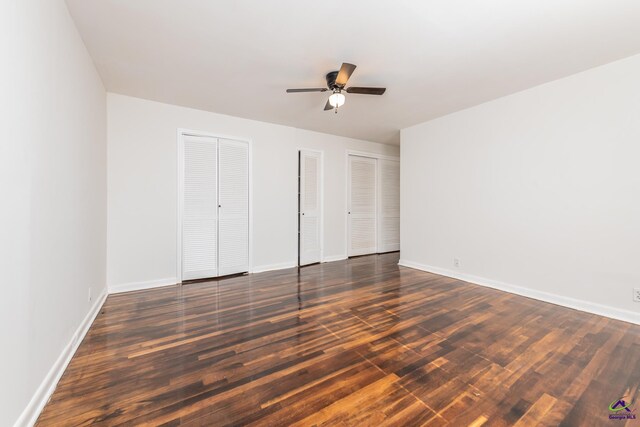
{"points": [[181, 133], [320, 208], [347, 228]]}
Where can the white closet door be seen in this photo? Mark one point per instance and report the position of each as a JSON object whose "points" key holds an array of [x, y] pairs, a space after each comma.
{"points": [[362, 205], [309, 207], [389, 223], [200, 208], [233, 200]]}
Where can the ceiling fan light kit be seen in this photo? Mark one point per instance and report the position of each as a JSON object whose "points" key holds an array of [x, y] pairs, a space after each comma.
{"points": [[336, 82], [337, 99]]}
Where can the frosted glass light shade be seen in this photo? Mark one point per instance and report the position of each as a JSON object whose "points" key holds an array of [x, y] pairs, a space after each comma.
{"points": [[337, 99]]}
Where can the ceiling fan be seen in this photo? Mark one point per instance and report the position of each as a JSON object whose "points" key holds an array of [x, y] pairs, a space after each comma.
{"points": [[336, 82]]}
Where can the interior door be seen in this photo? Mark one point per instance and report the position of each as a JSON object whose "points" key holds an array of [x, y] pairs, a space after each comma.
{"points": [[389, 223], [362, 223], [233, 207], [309, 215], [200, 208]]}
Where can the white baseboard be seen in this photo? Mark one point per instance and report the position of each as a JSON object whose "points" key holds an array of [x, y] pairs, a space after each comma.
{"points": [[586, 306], [334, 258], [137, 286], [271, 267], [40, 398]]}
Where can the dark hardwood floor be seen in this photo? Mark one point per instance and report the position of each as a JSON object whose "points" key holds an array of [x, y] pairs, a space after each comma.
{"points": [[357, 342]]}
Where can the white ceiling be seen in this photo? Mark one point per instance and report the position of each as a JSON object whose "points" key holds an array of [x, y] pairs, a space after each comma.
{"points": [[237, 57]]}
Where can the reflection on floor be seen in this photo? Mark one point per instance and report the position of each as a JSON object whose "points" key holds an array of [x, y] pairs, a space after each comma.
{"points": [[356, 342]]}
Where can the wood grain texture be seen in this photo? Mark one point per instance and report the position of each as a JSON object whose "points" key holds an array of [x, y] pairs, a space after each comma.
{"points": [[356, 342]]}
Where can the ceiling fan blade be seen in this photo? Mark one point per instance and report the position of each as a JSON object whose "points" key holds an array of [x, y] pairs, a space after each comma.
{"points": [[315, 89], [328, 106], [345, 72], [367, 90]]}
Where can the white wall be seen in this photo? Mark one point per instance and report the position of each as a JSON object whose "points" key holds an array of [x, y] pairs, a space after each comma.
{"points": [[142, 187], [539, 190], [53, 192]]}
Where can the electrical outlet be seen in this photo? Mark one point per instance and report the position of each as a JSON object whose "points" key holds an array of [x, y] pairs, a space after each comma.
{"points": [[89, 294], [456, 263], [636, 294]]}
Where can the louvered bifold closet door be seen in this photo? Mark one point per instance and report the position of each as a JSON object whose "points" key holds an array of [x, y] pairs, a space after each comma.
{"points": [[389, 224], [309, 207], [200, 208], [362, 205], [233, 199]]}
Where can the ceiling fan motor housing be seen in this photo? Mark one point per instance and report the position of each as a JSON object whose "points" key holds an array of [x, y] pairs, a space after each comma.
{"points": [[331, 80]]}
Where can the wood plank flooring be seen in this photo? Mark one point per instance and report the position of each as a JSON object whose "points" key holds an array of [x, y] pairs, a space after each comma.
{"points": [[356, 342]]}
